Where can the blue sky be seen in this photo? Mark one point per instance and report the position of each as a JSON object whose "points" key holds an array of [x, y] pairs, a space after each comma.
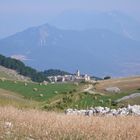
{"points": [[16, 15]]}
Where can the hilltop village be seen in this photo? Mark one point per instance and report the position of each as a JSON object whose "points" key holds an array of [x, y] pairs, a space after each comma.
{"points": [[77, 77]]}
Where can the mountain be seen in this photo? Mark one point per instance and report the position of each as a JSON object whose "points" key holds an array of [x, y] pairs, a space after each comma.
{"points": [[114, 21], [94, 51]]}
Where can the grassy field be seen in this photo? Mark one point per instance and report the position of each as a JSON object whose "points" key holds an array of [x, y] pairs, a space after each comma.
{"points": [[40, 125], [28, 93], [100, 97], [62, 96], [85, 100], [24, 116], [56, 96], [8, 98], [125, 84], [35, 91]]}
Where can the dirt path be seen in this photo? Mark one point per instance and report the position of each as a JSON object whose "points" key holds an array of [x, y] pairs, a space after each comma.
{"points": [[88, 88]]}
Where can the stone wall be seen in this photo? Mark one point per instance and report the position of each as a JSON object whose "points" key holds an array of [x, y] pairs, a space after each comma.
{"points": [[105, 111]]}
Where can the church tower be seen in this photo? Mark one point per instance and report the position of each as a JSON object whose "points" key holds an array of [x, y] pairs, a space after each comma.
{"points": [[78, 73]]}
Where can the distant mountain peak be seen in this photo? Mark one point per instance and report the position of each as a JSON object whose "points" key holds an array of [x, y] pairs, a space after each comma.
{"points": [[95, 51], [43, 33], [112, 20]]}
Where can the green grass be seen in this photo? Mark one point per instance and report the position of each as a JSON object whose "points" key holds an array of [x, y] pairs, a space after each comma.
{"points": [[48, 91], [77, 100], [88, 100], [57, 96], [84, 101]]}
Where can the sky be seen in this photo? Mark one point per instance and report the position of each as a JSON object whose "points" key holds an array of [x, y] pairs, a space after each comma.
{"points": [[16, 15]]}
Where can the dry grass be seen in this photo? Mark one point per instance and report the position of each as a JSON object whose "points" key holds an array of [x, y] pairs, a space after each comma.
{"points": [[12, 74], [125, 84], [8, 98], [40, 125]]}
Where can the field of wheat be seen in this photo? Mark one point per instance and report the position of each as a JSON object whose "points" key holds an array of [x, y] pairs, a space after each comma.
{"points": [[40, 125]]}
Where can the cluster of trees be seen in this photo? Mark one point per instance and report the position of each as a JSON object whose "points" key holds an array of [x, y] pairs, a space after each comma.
{"points": [[107, 77], [55, 72], [28, 71], [22, 69]]}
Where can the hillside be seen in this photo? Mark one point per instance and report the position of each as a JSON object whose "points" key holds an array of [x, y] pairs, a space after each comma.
{"points": [[22, 69], [28, 116], [12, 75], [43, 94], [9, 98], [125, 84], [84, 95], [15, 89], [46, 46], [128, 86]]}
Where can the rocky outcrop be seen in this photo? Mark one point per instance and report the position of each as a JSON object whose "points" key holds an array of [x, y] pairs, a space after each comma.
{"points": [[105, 111], [132, 96], [113, 89]]}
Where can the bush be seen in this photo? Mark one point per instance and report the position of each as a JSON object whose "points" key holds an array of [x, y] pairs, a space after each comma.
{"points": [[101, 101], [114, 103], [107, 77], [74, 90]]}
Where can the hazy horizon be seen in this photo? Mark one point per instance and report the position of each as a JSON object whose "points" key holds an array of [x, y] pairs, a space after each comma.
{"points": [[18, 15]]}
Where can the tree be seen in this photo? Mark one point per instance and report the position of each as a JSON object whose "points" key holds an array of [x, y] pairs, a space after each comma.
{"points": [[22, 69], [107, 77]]}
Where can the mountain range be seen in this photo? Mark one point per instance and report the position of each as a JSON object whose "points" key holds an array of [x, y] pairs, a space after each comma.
{"points": [[115, 21], [96, 50]]}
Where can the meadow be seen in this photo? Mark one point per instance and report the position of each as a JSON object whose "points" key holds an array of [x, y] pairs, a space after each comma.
{"points": [[33, 111], [35, 91], [58, 96], [41, 125]]}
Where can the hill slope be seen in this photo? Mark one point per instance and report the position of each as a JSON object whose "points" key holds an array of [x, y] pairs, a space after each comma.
{"points": [[9, 98], [47, 47], [63, 96], [12, 74], [129, 86], [125, 84], [114, 21]]}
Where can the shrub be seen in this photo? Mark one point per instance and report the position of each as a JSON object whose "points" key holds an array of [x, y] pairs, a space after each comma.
{"points": [[107, 77]]}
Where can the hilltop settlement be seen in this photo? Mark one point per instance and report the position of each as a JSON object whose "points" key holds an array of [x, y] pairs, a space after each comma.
{"points": [[77, 77]]}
